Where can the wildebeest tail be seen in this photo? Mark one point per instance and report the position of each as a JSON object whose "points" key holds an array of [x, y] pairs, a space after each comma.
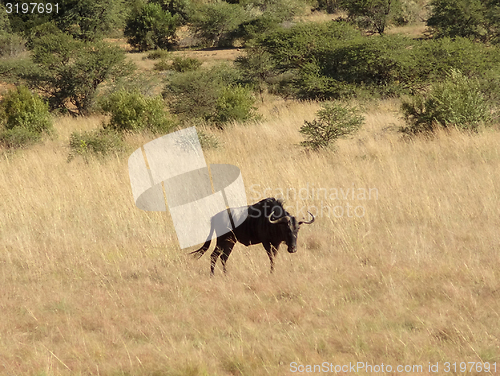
{"points": [[200, 252]]}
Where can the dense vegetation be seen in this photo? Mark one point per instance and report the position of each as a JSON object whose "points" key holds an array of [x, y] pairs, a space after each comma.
{"points": [[24, 118], [70, 63]]}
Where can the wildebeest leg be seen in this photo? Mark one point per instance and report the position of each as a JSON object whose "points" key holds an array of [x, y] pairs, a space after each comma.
{"points": [[271, 252], [214, 256], [227, 247], [275, 248]]}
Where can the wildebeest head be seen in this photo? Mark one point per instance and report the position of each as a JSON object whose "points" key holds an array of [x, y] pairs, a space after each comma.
{"points": [[289, 227]]}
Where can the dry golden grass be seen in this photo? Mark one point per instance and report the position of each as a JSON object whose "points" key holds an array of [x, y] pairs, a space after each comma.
{"points": [[93, 285]]}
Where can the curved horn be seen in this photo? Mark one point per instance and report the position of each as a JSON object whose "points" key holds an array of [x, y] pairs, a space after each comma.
{"points": [[279, 220], [307, 223]]}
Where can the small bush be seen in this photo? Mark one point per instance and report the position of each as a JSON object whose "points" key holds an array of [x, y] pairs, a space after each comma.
{"points": [[334, 121], [207, 141], [25, 117], [234, 103], [185, 64], [457, 102], [194, 95], [100, 143], [134, 112], [179, 64], [18, 137], [310, 83], [158, 54], [162, 65]]}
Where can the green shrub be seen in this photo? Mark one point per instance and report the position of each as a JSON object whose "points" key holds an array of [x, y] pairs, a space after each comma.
{"points": [[134, 112], [158, 54], [291, 47], [213, 95], [265, 16], [234, 103], [214, 23], [21, 108], [194, 95], [100, 142], [4, 20], [456, 102], [181, 8], [311, 83], [338, 68], [149, 27], [162, 65], [257, 68], [459, 18], [329, 6], [334, 121], [185, 64], [381, 63], [489, 85], [25, 117], [296, 61], [435, 58], [283, 85], [207, 141], [373, 15], [331, 60], [256, 27], [89, 20], [18, 137]]}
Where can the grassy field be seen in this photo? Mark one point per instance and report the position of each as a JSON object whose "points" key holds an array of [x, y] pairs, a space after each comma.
{"points": [[400, 268], [93, 285]]}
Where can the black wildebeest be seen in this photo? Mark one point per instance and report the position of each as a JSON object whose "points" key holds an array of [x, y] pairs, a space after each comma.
{"points": [[267, 222]]}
